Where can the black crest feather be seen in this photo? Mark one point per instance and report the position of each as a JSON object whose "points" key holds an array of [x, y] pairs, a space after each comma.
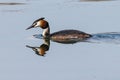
{"points": [[39, 19]]}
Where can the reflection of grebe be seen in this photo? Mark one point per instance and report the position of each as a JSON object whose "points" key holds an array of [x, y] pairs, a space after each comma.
{"points": [[42, 49], [64, 36]]}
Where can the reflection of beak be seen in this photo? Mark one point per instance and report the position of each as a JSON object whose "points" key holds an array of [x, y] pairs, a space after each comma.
{"points": [[30, 27], [38, 50], [29, 47]]}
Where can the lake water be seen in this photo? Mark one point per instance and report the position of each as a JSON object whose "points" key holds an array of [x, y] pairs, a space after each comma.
{"points": [[98, 59]]}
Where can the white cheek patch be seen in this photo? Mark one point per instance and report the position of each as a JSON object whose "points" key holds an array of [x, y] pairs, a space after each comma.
{"points": [[38, 24]]}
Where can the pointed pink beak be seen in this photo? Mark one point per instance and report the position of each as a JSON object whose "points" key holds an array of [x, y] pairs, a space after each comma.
{"points": [[30, 27]]}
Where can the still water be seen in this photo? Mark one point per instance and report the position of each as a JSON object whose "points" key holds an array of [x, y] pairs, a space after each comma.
{"points": [[96, 59]]}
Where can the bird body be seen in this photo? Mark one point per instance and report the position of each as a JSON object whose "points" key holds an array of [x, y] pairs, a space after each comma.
{"points": [[63, 36]]}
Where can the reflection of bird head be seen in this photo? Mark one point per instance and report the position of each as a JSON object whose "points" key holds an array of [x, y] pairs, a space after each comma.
{"points": [[40, 50]]}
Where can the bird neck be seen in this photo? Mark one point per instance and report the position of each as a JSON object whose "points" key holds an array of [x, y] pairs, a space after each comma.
{"points": [[46, 32]]}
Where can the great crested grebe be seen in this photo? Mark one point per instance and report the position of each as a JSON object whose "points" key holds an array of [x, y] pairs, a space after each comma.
{"points": [[63, 36]]}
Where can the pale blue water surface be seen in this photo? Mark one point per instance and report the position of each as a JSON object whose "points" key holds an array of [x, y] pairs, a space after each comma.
{"points": [[95, 60]]}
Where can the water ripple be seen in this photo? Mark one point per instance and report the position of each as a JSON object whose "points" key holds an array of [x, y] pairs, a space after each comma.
{"points": [[109, 37], [11, 3]]}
